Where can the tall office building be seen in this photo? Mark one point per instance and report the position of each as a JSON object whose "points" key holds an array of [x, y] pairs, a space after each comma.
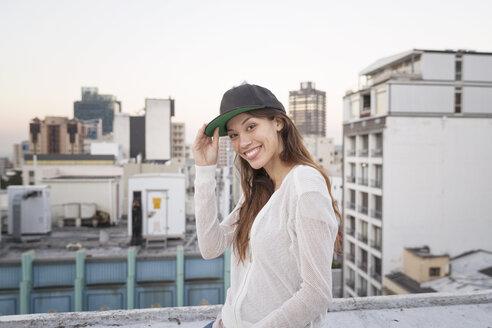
{"points": [[56, 135], [417, 162], [307, 108], [96, 106]]}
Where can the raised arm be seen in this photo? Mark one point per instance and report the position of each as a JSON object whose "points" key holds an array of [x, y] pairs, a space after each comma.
{"points": [[213, 237]]}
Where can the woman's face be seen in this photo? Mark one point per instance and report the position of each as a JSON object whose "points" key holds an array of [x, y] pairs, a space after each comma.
{"points": [[256, 139]]}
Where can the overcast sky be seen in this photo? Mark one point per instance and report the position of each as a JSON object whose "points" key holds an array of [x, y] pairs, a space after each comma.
{"points": [[193, 51]]}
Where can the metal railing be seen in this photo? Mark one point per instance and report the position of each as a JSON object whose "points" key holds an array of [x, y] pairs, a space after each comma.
{"points": [[351, 179], [362, 265], [363, 209], [351, 205], [376, 245], [350, 231], [362, 238], [351, 284], [362, 181], [351, 258], [363, 152], [362, 292], [350, 152], [378, 214], [376, 183], [376, 276], [378, 152]]}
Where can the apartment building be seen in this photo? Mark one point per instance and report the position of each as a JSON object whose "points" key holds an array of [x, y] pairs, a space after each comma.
{"points": [[416, 167], [56, 135]]}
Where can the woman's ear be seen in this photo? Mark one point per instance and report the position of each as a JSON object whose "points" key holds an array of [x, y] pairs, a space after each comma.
{"points": [[279, 123]]}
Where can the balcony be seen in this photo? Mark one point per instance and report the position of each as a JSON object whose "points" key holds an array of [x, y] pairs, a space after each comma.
{"points": [[365, 112], [376, 276], [350, 231], [350, 205], [351, 257], [362, 181], [378, 152], [362, 265], [363, 152], [363, 209], [362, 238], [350, 283], [362, 292], [350, 152], [378, 214], [350, 179], [375, 245], [376, 183]]}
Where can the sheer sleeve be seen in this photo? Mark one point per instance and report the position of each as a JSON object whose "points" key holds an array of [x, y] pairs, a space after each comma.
{"points": [[316, 229], [214, 237]]}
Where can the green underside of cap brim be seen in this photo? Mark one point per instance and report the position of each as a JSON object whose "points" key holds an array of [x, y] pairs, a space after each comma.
{"points": [[221, 121]]}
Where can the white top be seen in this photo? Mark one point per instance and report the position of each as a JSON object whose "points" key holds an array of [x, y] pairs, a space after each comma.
{"points": [[286, 279]]}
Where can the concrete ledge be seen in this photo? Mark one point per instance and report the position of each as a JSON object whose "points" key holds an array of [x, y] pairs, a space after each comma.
{"points": [[438, 310], [410, 301]]}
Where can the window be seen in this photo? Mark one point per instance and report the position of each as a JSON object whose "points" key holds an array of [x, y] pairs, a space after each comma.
{"points": [[457, 100], [434, 272], [458, 67]]}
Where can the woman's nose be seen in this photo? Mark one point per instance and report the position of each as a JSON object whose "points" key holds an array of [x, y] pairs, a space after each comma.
{"points": [[244, 141]]}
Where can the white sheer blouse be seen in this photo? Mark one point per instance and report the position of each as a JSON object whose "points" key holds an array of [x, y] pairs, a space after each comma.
{"points": [[286, 280]]}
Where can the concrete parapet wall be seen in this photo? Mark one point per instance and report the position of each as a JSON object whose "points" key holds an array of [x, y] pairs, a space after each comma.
{"points": [[436, 309]]}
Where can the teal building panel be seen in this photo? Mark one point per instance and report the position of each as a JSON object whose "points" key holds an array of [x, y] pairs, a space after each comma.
{"points": [[51, 301], [9, 303], [204, 294], [155, 296], [156, 270], [105, 298], [198, 268], [53, 274], [11, 276], [113, 272]]}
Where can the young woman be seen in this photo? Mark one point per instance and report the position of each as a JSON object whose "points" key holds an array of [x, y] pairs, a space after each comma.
{"points": [[285, 226]]}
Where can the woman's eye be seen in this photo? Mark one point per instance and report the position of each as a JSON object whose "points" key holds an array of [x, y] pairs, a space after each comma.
{"points": [[251, 127], [232, 135]]}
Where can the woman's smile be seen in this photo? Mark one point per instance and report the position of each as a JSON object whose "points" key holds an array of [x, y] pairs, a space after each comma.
{"points": [[251, 154]]}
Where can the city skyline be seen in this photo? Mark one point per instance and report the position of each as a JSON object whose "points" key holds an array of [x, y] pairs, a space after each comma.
{"points": [[194, 51]]}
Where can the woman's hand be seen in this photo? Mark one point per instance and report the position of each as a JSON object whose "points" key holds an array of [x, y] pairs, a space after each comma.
{"points": [[206, 149]]}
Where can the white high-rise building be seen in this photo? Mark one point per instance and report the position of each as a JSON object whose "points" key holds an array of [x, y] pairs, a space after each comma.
{"points": [[417, 146], [179, 147]]}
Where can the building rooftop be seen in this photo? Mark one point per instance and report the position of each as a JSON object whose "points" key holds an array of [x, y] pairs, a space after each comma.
{"points": [[430, 310], [470, 271]]}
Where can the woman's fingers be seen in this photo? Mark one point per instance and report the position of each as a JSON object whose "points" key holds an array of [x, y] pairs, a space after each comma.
{"points": [[216, 138]]}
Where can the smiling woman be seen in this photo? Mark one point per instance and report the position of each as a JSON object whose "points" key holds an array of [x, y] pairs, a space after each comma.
{"points": [[284, 229]]}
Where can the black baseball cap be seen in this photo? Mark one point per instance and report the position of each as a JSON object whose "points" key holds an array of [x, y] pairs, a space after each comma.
{"points": [[243, 98]]}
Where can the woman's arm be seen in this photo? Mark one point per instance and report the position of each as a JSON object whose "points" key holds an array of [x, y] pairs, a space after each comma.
{"points": [[213, 237], [316, 229]]}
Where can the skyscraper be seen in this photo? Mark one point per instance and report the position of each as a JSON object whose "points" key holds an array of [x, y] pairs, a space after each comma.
{"points": [[96, 106], [307, 108]]}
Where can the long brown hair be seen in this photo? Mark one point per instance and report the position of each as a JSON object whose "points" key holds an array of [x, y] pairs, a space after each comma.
{"points": [[258, 187]]}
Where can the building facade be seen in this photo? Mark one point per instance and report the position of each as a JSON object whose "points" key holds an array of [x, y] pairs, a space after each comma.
{"points": [[307, 108], [95, 106], [416, 144], [179, 149], [56, 135]]}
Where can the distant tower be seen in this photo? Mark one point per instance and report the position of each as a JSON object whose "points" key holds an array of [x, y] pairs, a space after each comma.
{"points": [[96, 106], [307, 108]]}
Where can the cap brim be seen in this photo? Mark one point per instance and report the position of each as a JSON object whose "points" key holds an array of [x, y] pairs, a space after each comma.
{"points": [[221, 120]]}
